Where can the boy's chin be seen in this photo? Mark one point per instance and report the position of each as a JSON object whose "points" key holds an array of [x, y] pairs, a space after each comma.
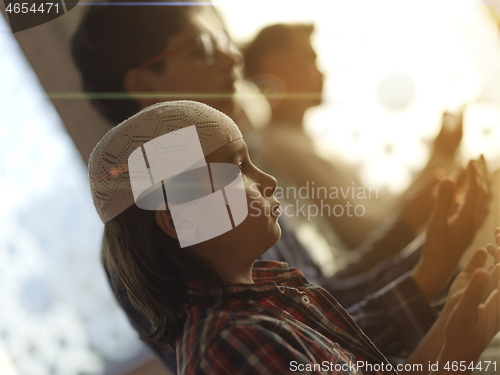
{"points": [[276, 235]]}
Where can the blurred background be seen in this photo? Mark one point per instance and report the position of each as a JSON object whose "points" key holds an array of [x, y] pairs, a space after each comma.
{"points": [[391, 69]]}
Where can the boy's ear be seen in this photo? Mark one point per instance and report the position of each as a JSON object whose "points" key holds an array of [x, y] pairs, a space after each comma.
{"points": [[166, 223]]}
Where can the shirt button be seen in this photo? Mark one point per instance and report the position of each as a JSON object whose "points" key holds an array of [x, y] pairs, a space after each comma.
{"points": [[305, 300]]}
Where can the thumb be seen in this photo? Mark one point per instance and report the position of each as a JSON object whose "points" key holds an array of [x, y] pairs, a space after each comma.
{"points": [[443, 202], [477, 261], [474, 294]]}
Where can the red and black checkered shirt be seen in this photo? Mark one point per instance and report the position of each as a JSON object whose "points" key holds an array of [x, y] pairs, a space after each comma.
{"points": [[281, 324]]}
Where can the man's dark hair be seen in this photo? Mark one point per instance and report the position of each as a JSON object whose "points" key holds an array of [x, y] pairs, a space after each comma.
{"points": [[111, 39], [270, 39]]}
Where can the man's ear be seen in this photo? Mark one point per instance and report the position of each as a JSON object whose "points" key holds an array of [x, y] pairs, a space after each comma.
{"points": [[271, 63], [133, 81], [166, 223], [139, 81]]}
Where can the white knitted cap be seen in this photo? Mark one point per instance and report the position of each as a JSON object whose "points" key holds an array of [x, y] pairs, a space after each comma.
{"points": [[108, 165]]}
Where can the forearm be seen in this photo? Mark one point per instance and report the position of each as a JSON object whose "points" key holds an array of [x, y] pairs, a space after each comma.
{"points": [[433, 349], [432, 278], [429, 349], [451, 356], [396, 317]]}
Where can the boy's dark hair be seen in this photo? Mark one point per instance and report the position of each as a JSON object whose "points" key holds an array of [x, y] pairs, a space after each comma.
{"points": [[152, 269], [111, 39], [270, 39]]}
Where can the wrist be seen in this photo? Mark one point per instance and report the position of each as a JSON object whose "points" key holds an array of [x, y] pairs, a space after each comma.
{"points": [[430, 278], [440, 152], [456, 352]]}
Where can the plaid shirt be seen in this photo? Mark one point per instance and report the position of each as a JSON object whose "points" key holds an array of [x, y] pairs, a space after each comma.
{"points": [[272, 327], [385, 301], [388, 307]]}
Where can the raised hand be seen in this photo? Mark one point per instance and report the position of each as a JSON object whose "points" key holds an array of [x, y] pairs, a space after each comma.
{"points": [[470, 318], [475, 319], [477, 262], [418, 208], [449, 236], [450, 136]]}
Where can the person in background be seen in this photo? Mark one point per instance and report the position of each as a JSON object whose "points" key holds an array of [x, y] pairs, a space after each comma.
{"points": [[148, 51], [282, 62]]}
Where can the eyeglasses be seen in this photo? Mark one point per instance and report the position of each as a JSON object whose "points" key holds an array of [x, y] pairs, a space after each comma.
{"points": [[207, 45]]}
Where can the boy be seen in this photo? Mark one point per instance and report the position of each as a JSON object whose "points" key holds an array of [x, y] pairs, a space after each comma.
{"points": [[223, 312]]}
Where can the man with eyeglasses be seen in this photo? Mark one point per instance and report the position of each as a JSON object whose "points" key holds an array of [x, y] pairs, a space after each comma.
{"points": [[171, 55], [158, 53]]}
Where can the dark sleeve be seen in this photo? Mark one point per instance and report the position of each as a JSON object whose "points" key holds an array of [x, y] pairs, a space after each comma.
{"points": [[385, 302], [351, 290], [396, 317], [347, 291], [383, 243]]}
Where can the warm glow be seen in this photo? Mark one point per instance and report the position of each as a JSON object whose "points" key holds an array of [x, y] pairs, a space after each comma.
{"points": [[391, 69]]}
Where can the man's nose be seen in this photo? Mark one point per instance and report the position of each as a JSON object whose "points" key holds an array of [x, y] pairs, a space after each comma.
{"points": [[229, 59]]}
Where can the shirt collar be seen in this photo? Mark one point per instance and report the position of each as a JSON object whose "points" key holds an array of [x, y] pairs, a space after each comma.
{"points": [[269, 278]]}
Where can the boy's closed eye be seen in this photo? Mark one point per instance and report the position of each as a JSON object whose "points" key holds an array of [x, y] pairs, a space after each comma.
{"points": [[241, 165]]}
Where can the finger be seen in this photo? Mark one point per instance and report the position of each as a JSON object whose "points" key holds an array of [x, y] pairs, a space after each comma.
{"points": [[431, 183], [486, 172], [459, 123], [458, 194], [482, 207], [477, 261], [468, 210], [486, 187], [489, 314], [469, 309], [484, 176], [461, 181], [491, 250], [439, 173], [496, 259], [445, 122], [495, 277], [443, 203], [474, 294]]}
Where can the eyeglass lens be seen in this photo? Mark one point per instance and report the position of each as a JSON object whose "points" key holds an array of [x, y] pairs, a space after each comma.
{"points": [[208, 44]]}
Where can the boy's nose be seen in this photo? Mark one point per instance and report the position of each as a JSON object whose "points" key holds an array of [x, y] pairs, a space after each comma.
{"points": [[270, 184]]}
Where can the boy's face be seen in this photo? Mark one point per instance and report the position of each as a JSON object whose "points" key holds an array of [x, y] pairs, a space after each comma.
{"points": [[185, 73], [260, 230]]}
